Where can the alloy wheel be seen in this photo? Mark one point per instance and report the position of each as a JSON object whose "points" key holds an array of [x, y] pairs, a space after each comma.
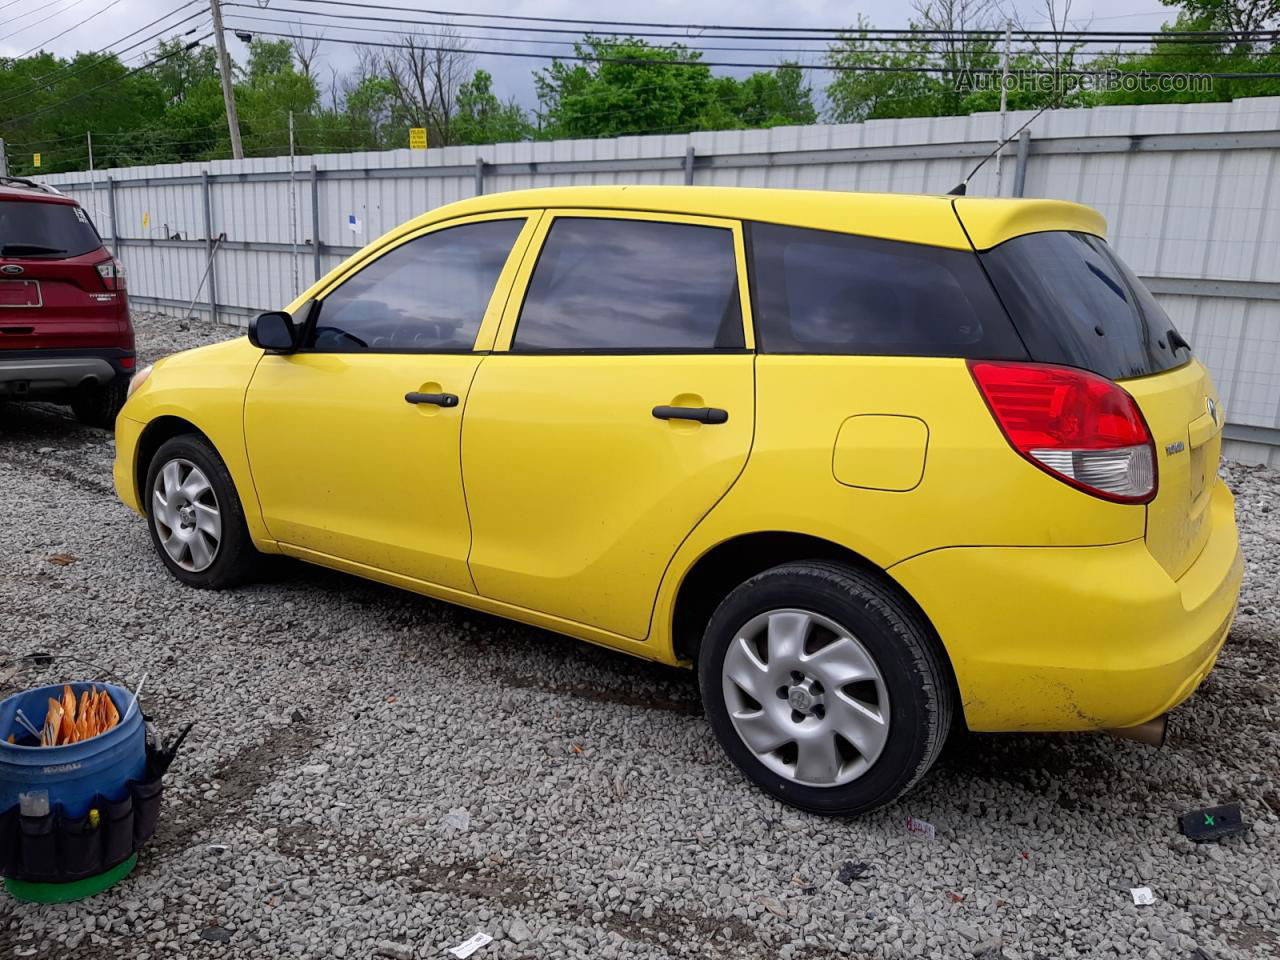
{"points": [[806, 697], [186, 515]]}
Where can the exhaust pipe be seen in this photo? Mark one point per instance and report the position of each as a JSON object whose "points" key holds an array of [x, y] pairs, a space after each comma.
{"points": [[1152, 733]]}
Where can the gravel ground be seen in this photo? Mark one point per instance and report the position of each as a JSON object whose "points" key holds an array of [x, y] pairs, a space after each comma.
{"points": [[339, 722]]}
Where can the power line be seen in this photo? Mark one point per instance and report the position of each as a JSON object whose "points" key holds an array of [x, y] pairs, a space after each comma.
{"points": [[869, 35], [993, 34], [878, 46], [113, 80], [832, 67], [66, 73], [47, 15], [68, 30]]}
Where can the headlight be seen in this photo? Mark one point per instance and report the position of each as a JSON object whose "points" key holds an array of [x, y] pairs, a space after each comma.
{"points": [[139, 379]]}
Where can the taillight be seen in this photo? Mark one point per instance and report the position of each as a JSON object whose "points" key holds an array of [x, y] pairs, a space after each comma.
{"points": [[1076, 426], [112, 274]]}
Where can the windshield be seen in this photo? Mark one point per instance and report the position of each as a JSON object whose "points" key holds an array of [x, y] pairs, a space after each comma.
{"points": [[1075, 302], [34, 229]]}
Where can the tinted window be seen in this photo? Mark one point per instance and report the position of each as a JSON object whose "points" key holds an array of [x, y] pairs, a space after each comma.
{"points": [[1075, 302], [821, 292], [632, 285], [34, 229], [428, 294]]}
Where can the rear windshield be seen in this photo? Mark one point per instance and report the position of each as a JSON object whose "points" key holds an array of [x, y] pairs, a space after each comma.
{"points": [[821, 292], [35, 229], [1075, 302]]}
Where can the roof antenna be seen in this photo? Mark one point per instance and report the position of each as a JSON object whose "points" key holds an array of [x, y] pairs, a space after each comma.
{"points": [[961, 188]]}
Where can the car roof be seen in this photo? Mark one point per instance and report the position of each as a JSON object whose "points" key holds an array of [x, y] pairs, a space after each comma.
{"points": [[20, 188], [918, 218]]}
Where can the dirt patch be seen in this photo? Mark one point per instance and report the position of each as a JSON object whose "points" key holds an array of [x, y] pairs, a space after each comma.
{"points": [[241, 776]]}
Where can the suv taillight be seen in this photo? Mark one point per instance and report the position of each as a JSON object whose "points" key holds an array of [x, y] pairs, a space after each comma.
{"points": [[1076, 426], [112, 274]]}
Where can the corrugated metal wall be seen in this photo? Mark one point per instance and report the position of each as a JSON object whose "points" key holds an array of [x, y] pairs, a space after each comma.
{"points": [[1189, 192]]}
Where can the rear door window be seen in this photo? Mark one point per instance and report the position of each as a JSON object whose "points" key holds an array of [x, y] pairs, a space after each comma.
{"points": [[821, 292], [1075, 302], [603, 285], [427, 295], [33, 229]]}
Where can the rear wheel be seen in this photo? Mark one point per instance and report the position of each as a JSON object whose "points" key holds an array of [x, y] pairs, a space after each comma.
{"points": [[97, 405], [196, 519], [824, 687]]}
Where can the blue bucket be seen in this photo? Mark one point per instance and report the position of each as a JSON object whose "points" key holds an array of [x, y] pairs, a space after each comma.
{"points": [[74, 773]]}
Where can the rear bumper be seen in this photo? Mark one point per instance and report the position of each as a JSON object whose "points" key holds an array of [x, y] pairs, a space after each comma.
{"points": [[36, 373], [1078, 638]]}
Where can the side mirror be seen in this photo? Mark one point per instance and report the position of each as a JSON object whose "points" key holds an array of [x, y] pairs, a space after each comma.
{"points": [[274, 331]]}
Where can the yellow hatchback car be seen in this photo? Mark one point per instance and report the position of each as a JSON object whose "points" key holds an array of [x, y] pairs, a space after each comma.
{"points": [[875, 464]]}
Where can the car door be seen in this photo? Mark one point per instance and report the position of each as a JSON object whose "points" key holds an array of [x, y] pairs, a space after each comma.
{"points": [[616, 409], [353, 440]]}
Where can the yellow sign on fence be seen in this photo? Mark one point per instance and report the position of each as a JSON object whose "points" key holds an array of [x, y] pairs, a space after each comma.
{"points": [[35, 159], [417, 138]]}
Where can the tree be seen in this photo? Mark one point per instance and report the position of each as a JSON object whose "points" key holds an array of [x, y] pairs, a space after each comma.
{"points": [[483, 118], [426, 73], [272, 89], [881, 78], [780, 97], [623, 86], [1138, 80]]}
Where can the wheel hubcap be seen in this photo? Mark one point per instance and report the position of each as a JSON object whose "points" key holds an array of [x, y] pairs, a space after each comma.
{"points": [[186, 515], [806, 697]]}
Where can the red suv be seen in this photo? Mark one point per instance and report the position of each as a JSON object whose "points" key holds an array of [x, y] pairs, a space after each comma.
{"points": [[65, 334]]}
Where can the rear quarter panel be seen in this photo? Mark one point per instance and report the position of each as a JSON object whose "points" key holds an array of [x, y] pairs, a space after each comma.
{"points": [[974, 489]]}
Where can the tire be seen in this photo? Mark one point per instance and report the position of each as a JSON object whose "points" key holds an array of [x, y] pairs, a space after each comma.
{"points": [[195, 516], [97, 405], [875, 700]]}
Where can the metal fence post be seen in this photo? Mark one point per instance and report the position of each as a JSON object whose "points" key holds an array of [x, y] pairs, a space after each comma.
{"points": [[479, 176], [688, 166], [111, 212], [209, 247], [1020, 169], [315, 222]]}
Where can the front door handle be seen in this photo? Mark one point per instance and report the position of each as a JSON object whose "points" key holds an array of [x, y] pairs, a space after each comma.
{"points": [[439, 399], [700, 414]]}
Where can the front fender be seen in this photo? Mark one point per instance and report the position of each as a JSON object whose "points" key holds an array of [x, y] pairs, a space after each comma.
{"points": [[205, 388]]}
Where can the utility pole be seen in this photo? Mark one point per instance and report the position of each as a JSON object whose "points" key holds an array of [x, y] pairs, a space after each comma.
{"points": [[293, 210], [93, 180], [4, 160], [224, 67], [1004, 101]]}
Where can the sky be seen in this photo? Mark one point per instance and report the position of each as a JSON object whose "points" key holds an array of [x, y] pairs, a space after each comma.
{"points": [[67, 26]]}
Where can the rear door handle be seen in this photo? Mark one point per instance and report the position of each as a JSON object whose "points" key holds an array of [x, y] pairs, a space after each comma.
{"points": [[700, 414], [439, 399]]}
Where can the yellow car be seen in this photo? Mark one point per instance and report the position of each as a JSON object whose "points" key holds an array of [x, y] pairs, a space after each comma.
{"points": [[876, 465]]}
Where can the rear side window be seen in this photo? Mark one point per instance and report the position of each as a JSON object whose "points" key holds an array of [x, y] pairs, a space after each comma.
{"points": [[819, 292], [429, 294], [632, 285], [1076, 303], [36, 229]]}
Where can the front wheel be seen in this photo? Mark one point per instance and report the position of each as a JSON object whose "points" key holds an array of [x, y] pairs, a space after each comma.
{"points": [[196, 520], [824, 688]]}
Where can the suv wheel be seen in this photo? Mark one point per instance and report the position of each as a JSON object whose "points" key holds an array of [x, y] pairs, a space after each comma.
{"points": [[196, 520], [97, 405], [824, 688]]}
